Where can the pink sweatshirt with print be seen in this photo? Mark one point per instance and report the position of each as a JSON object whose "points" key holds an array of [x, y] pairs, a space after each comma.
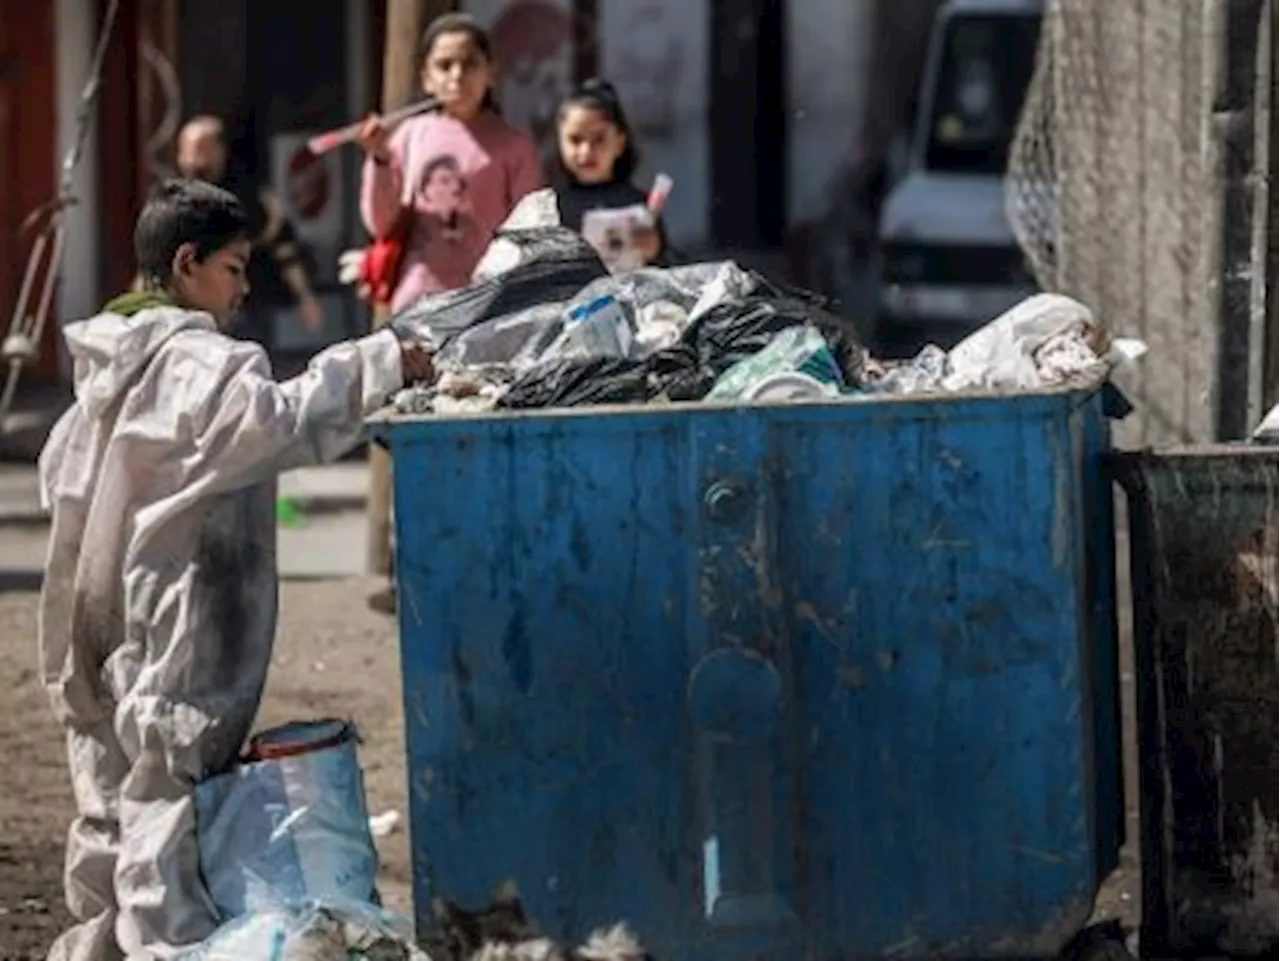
{"points": [[462, 180]]}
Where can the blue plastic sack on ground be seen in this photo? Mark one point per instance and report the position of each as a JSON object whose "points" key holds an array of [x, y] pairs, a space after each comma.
{"points": [[290, 828]]}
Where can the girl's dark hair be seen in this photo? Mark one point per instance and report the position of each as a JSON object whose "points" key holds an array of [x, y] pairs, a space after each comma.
{"points": [[600, 96], [458, 23]]}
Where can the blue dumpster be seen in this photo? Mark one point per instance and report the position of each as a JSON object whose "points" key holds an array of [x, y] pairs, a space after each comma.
{"points": [[802, 681]]}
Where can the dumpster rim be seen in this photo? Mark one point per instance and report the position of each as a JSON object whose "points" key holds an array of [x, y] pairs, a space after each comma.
{"points": [[387, 418]]}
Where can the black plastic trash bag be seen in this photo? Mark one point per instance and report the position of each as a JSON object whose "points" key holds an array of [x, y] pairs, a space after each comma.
{"points": [[577, 382], [734, 330], [713, 342], [560, 263], [514, 340], [522, 245]]}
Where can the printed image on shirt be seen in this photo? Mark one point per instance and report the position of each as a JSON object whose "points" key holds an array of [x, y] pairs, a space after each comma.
{"points": [[442, 201]]}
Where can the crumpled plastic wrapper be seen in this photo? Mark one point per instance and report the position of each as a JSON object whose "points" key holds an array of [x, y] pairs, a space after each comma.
{"points": [[457, 390], [1046, 341]]}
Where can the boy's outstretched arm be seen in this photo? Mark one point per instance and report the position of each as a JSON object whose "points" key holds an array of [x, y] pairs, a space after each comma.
{"points": [[250, 428]]}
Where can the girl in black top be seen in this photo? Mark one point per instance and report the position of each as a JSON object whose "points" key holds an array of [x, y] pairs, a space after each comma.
{"points": [[595, 162]]}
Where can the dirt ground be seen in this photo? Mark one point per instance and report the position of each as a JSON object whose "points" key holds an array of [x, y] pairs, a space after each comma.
{"points": [[333, 657]]}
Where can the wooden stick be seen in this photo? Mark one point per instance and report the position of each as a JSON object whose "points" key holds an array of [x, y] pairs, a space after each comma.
{"points": [[332, 139]]}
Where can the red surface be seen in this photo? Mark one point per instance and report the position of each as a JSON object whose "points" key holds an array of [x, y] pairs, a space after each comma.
{"points": [[28, 145]]}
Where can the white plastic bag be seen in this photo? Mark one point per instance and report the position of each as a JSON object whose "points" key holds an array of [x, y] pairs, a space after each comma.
{"points": [[534, 210], [288, 830], [598, 328], [1044, 341]]}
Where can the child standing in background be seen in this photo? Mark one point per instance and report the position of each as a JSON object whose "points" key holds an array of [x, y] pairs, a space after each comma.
{"points": [[448, 178], [596, 162]]}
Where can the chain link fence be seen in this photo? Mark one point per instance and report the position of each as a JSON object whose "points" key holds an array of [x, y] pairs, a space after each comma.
{"points": [[1140, 182]]}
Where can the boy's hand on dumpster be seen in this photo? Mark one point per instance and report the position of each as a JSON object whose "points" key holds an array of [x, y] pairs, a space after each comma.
{"points": [[415, 362]]}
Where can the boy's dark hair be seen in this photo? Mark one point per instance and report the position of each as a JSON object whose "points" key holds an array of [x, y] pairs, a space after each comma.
{"points": [[458, 23], [181, 212], [600, 96]]}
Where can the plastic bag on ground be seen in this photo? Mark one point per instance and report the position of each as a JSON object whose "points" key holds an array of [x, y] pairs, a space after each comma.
{"points": [[320, 931], [797, 350], [288, 829]]}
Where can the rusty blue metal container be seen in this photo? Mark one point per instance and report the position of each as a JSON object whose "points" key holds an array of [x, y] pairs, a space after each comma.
{"points": [[804, 681]]}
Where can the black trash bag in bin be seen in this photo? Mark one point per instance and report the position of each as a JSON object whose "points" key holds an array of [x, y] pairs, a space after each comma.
{"points": [[559, 263], [737, 329], [579, 382], [710, 345]]}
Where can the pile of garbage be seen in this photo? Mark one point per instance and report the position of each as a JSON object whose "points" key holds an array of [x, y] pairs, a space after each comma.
{"points": [[545, 324]]}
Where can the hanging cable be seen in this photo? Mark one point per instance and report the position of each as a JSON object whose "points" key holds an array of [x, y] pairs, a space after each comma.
{"points": [[21, 346]]}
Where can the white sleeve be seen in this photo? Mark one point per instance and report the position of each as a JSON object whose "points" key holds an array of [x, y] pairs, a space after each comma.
{"points": [[249, 428]]}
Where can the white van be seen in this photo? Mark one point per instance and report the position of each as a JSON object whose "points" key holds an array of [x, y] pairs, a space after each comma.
{"points": [[946, 260]]}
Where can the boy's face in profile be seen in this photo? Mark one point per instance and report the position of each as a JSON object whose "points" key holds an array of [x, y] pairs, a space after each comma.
{"points": [[218, 284]]}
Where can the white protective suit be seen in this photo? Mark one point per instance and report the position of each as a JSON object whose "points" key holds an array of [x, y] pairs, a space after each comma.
{"points": [[159, 604]]}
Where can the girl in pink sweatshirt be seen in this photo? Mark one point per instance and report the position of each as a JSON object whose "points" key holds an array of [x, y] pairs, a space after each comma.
{"points": [[454, 174]]}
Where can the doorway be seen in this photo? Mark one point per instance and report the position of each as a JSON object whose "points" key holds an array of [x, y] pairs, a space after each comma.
{"points": [[748, 123]]}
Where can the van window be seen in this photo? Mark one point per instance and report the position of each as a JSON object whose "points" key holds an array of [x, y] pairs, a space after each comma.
{"points": [[986, 67]]}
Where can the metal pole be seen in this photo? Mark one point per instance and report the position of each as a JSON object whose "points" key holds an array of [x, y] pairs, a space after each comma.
{"points": [[1232, 144], [406, 19], [1271, 262]]}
